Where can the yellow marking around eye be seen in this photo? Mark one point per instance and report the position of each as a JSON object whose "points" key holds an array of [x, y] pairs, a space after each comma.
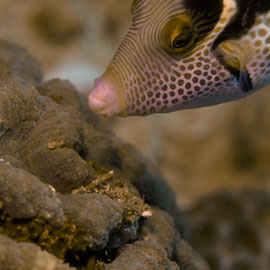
{"points": [[172, 29], [175, 33]]}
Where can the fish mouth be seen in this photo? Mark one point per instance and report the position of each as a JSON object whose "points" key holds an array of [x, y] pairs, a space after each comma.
{"points": [[99, 105], [107, 97], [97, 101]]}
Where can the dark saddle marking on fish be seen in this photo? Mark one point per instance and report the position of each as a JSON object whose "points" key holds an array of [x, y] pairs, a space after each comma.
{"points": [[243, 20], [205, 14], [211, 6]]}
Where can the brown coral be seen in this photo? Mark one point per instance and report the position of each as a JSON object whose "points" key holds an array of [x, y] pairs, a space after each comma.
{"points": [[35, 259], [76, 191]]}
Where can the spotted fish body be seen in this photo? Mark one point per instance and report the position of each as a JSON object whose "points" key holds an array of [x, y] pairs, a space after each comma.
{"points": [[182, 54]]}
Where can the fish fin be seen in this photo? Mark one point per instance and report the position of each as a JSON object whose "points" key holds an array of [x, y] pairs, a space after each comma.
{"points": [[245, 82], [235, 58]]}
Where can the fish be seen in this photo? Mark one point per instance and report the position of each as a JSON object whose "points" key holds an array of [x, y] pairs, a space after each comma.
{"points": [[184, 54]]}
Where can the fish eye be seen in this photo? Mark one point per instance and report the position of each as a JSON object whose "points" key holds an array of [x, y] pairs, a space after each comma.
{"points": [[182, 40], [178, 35]]}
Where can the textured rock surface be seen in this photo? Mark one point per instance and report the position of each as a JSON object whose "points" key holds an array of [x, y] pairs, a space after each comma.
{"points": [[160, 228], [61, 92], [27, 256], [69, 186], [142, 255], [17, 62], [25, 197], [95, 216], [235, 224]]}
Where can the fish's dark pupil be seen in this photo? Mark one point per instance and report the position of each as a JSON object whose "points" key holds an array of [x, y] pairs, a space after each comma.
{"points": [[182, 39]]}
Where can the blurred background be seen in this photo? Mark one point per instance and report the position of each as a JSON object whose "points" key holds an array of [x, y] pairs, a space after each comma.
{"points": [[199, 151]]}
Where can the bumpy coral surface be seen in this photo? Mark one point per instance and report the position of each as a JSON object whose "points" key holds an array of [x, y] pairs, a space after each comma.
{"points": [[14, 255], [70, 188], [232, 230]]}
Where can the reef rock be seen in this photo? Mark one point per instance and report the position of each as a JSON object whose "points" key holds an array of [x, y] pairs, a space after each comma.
{"points": [[142, 255], [27, 256], [71, 188], [25, 196]]}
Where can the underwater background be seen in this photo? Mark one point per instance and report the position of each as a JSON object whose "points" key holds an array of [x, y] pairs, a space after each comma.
{"points": [[215, 159]]}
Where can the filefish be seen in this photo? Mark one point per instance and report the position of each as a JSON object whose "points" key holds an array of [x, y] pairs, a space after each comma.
{"points": [[183, 54]]}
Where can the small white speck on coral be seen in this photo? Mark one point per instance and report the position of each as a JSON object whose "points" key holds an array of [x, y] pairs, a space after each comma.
{"points": [[147, 213]]}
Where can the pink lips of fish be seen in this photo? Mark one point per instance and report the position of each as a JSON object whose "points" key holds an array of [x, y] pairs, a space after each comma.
{"points": [[107, 98]]}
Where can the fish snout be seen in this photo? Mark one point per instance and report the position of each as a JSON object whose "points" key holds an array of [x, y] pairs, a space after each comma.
{"points": [[107, 97]]}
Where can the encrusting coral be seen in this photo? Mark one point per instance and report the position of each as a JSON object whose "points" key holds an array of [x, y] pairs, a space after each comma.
{"points": [[16, 255], [69, 187]]}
